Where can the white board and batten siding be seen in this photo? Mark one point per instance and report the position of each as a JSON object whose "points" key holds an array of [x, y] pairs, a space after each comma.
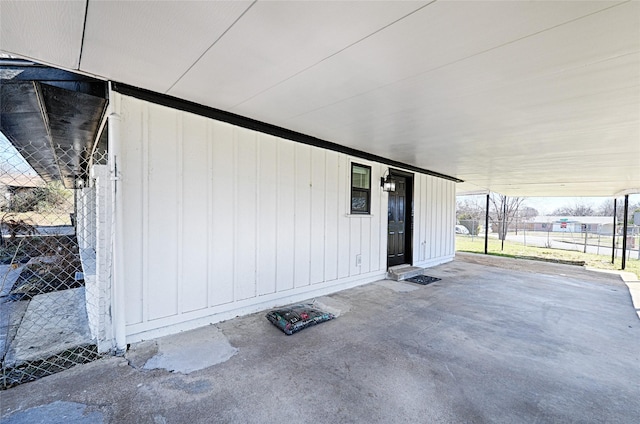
{"points": [[221, 221]]}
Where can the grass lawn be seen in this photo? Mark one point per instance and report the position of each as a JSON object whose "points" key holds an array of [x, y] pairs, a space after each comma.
{"points": [[512, 250]]}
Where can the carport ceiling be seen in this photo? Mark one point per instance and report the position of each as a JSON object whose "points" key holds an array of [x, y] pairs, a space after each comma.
{"points": [[523, 98]]}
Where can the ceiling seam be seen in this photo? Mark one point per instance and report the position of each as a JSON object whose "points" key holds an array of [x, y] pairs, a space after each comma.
{"points": [[84, 29], [210, 47], [335, 53], [565, 70], [460, 60], [37, 86]]}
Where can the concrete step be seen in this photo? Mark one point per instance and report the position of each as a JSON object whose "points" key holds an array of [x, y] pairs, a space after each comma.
{"points": [[402, 272]]}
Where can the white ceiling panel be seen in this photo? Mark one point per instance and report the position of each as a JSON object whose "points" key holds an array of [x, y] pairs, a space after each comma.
{"points": [[522, 97], [275, 41], [580, 89], [49, 31], [435, 36], [151, 44]]}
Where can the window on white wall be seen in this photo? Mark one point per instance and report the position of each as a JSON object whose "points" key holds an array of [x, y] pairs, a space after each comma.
{"points": [[360, 189]]}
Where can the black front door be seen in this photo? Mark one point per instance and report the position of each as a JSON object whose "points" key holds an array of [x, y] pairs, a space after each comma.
{"points": [[397, 231]]}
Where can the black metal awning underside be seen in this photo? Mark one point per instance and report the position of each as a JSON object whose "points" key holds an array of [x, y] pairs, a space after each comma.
{"points": [[52, 117]]}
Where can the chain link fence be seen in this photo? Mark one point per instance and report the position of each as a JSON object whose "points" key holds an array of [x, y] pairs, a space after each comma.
{"points": [[594, 238], [54, 282]]}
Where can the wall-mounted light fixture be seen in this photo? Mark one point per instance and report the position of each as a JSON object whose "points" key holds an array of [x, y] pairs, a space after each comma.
{"points": [[387, 183]]}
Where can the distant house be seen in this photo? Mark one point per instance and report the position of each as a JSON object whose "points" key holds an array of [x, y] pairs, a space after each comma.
{"points": [[572, 224], [12, 184]]}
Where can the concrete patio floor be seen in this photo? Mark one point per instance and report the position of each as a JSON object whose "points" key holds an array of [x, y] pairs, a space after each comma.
{"points": [[496, 340]]}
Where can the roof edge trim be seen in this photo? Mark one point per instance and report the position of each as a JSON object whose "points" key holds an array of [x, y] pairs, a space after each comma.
{"points": [[263, 127], [627, 191]]}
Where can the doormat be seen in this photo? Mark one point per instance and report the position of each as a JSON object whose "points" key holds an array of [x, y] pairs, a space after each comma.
{"points": [[423, 279]]}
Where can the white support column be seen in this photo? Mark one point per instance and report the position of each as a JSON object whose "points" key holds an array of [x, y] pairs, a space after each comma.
{"points": [[115, 161], [101, 324]]}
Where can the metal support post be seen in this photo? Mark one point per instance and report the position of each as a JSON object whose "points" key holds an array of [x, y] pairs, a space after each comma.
{"points": [[486, 228], [504, 222], [624, 231], [613, 241]]}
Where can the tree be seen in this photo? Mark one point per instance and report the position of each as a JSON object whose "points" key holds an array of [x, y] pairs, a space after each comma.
{"points": [[578, 209], [606, 209], [527, 212], [470, 213], [504, 210], [52, 197], [469, 209]]}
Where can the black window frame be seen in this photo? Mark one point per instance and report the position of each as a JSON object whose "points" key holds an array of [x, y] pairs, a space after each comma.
{"points": [[360, 190]]}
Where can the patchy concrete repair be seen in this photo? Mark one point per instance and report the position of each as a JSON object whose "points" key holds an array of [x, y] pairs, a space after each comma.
{"points": [[184, 352], [61, 412], [497, 340], [332, 305]]}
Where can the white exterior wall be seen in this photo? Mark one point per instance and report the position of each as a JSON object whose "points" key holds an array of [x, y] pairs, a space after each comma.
{"points": [[434, 220], [220, 220]]}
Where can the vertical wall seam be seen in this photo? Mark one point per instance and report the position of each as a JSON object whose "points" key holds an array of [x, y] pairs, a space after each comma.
{"points": [[360, 246], [450, 205], [180, 211], [310, 232], [347, 196], [234, 212], [326, 224], [419, 214], [278, 207], [432, 218], [417, 229], [295, 209], [448, 252], [452, 218], [337, 211], [277, 213], [425, 195], [146, 157], [256, 225], [448, 219], [372, 193], [441, 217], [382, 234], [209, 188]]}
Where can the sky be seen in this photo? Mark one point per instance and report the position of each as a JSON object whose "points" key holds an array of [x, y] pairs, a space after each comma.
{"points": [[12, 161], [546, 205]]}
